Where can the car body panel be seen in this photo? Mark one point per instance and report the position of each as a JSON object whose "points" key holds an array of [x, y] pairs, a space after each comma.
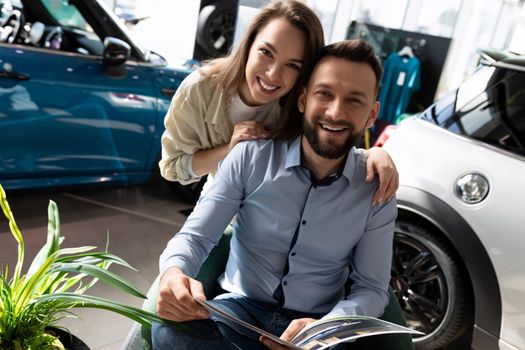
{"points": [[432, 158], [416, 202], [67, 119]]}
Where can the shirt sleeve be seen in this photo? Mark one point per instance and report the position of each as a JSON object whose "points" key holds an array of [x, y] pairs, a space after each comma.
{"points": [[371, 266], [214, 211], [185, 130]]}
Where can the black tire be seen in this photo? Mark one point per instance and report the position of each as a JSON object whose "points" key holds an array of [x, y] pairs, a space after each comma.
{"points": [[432, 285], [216, 27]]}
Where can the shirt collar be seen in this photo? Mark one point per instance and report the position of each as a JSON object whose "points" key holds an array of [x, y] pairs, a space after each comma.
{"points": [[293, 158]]}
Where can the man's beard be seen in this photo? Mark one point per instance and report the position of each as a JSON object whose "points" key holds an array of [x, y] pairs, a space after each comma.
{"points": [[330, 149]]}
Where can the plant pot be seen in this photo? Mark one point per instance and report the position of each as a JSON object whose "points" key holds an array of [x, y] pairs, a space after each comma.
{"points": [[69, 341]]}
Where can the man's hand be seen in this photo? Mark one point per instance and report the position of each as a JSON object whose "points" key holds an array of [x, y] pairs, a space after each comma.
{"points": [[293, 329], [175, 301], [379, 162], [248, 130]]}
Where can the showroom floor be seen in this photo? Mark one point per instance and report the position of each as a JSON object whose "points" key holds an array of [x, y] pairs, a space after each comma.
{"points": [[140, 220]]}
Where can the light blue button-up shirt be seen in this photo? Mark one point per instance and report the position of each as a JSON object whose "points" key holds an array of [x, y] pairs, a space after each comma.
{"points": [[273, 196]]}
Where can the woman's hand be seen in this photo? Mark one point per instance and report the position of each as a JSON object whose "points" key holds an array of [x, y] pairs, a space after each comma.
{"points": [[247, 130], [293, 329], [205, 161], [379, 162]]}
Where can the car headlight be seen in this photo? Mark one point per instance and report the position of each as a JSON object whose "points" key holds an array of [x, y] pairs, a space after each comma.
{"points": [[472, 188]]}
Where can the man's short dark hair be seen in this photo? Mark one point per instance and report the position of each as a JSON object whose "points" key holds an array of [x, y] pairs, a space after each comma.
{"points": [[355, 50]]}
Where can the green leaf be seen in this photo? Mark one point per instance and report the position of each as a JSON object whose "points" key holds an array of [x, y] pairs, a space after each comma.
{"points": [[30, 283], [53, 238], [103, 275], [15, 231], [76, 300], [53, 227], [94, 258]]}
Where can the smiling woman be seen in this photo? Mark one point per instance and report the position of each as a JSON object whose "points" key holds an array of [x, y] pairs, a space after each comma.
{"points": [[274, 62], [250, 94]]}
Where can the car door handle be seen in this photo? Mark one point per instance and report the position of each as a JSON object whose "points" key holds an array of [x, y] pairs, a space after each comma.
{"points": [[13, 75], [168, 92]]}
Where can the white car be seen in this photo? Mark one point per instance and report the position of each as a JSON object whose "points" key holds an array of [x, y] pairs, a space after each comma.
{"points": [[459, 249]]}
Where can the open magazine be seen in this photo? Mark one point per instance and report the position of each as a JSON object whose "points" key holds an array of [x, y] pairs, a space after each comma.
{"points": [[324, 333]]}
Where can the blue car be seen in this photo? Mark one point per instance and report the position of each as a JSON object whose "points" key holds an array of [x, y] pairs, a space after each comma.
{"points": [[80, 102]]}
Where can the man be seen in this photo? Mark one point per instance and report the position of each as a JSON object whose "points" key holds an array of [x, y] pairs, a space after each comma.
{"points": [[305, 221]]}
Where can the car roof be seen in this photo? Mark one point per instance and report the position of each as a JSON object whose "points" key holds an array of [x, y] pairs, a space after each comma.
{"points": [[503, 59]]}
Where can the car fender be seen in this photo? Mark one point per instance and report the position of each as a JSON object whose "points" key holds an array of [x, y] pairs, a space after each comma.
{"points": [[477, 261]]}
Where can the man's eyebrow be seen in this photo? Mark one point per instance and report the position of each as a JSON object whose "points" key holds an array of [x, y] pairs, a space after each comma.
{"points": [[321, 86], [328, 86], [272, 48]]}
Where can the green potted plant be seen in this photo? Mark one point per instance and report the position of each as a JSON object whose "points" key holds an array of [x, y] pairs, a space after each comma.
{"points": [[56, 282]]}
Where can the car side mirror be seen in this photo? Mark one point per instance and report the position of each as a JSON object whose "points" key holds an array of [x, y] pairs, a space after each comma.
{"points": [[116, 52]]}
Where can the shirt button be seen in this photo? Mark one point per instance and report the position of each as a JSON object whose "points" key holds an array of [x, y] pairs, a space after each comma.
{"points": [[285, 283], [293, 254], [304, 222]]}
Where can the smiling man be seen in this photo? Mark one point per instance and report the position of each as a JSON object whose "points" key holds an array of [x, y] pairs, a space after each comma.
{"points": [[305, 222]]}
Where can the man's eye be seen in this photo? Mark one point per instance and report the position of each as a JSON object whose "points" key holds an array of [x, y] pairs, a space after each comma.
{"points": [[355, 101]]}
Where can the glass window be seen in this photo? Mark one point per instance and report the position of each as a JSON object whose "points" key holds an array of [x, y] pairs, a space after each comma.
{"points": [[325, 10], [386, 13], [496, 116], [66, 14], [432, 17]]}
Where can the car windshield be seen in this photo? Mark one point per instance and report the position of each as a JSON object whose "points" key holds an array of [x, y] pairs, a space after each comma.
{"points": [[69, 16], [488, 107]]}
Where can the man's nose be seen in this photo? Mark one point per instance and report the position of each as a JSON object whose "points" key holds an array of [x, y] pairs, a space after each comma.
{"points": [[335, 109]]}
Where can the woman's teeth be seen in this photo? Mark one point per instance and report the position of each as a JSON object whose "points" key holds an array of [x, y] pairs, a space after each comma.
{"points": [[266, 86]]}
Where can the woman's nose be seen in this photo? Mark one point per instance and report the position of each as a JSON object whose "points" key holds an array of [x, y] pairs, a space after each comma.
{"points": [[274, 72]]}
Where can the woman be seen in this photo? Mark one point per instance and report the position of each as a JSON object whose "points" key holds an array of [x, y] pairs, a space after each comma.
{"points": [[251, 94]]}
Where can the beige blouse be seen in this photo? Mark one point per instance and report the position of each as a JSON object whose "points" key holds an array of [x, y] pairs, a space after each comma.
{"points": [[196, 120]]}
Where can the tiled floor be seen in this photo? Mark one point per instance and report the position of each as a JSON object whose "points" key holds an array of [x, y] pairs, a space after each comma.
{"points": [[140, 221]]}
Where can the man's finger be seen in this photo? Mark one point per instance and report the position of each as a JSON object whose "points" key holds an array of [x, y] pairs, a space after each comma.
{"points": [[270, 344], [197, 291], [171, 312], [168, 307], [293, 328]]}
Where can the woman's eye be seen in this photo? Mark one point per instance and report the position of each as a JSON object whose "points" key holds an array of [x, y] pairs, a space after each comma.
{"points": [[294, 66], [265, 52]]}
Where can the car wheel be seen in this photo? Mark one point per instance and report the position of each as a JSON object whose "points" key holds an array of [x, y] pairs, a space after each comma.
{"points": [[431, 285], [215, 28]]}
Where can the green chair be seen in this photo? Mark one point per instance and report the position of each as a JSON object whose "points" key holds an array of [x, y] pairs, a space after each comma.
{"points": [[139, 337]]}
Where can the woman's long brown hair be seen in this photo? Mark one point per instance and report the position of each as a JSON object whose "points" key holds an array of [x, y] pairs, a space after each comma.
{"points": [[229, 71]]}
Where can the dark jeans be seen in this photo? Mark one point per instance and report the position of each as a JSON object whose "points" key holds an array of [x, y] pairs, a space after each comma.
{"points": [[217, 333]]}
